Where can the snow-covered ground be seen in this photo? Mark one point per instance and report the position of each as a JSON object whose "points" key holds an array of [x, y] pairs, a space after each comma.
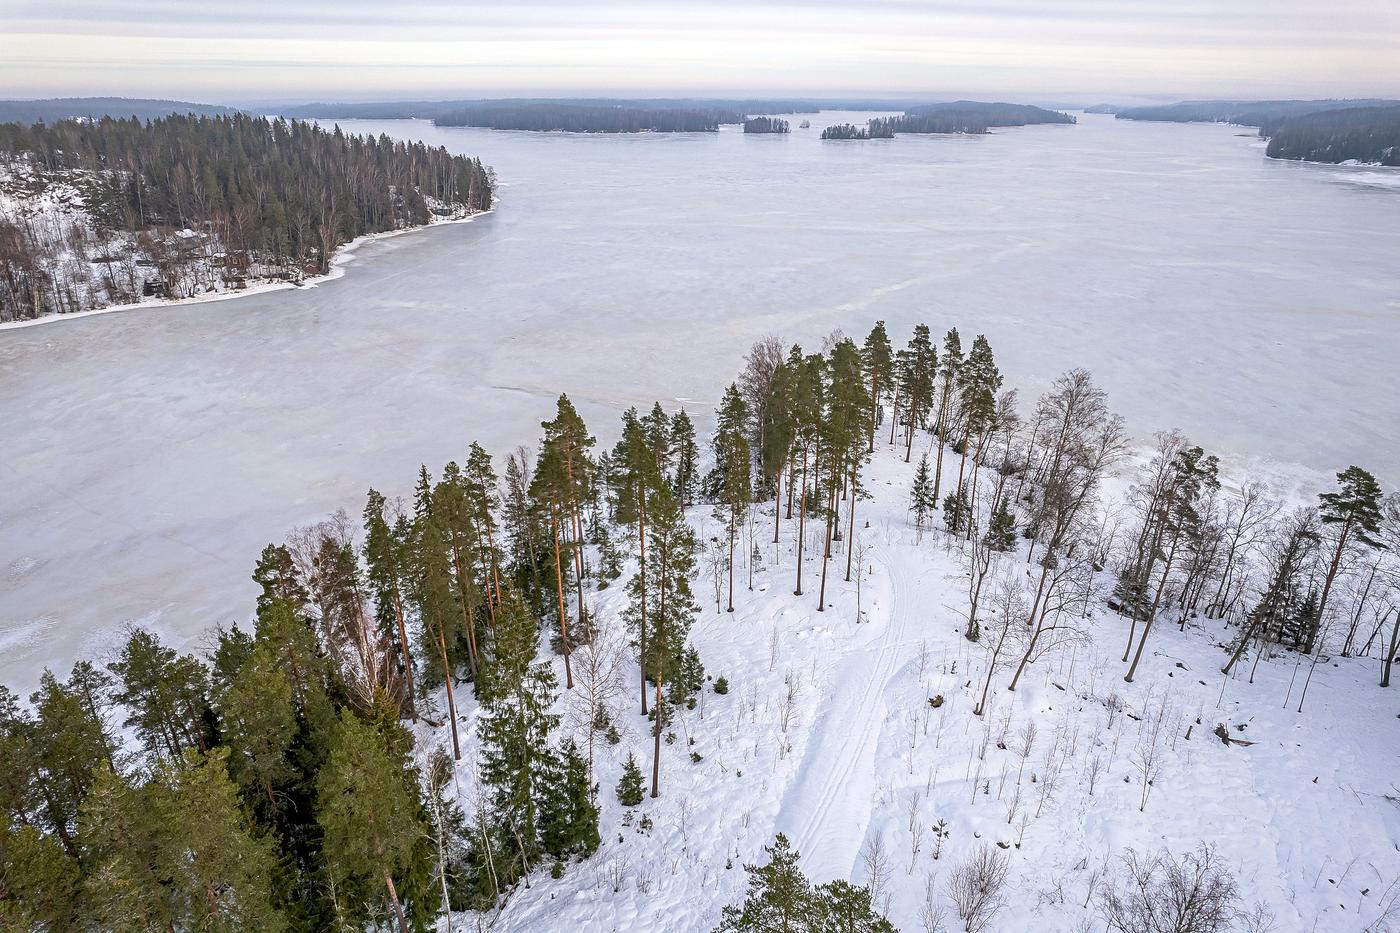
{"points": [[827, 734]]}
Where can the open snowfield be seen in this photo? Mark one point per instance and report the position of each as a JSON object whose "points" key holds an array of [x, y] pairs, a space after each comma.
{"points": [[828, 736]]}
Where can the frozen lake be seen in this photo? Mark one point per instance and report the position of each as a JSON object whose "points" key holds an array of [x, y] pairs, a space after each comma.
{"points": [[147, 456]]}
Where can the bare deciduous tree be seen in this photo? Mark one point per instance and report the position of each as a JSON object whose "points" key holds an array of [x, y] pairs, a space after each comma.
{"points": [[976, 888], [1161, 893]]}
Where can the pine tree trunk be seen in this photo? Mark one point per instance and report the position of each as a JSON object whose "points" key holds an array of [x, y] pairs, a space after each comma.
{"points": [[874, 407], [777, 502], [731, 559], [398, 908], [642, 569], [1322, 606], [656, 736], [801, 521], [407, 659], [941, 427], [826, 554], [559, 586], [894, 411], [1390, 655], [1152, 613], [851, 528], [451, 703]]}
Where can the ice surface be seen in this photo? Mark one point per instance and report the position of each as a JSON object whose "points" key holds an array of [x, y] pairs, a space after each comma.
{"points": [[147, 456]]}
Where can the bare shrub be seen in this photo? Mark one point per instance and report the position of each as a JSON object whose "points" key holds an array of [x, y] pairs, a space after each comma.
{"points": [[1161, 893], [976, 888]]}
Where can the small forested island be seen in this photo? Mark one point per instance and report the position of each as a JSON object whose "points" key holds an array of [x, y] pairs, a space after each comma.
{"points": [[766, 125], [513, 698], [581, 119], [1312, 130], [875, 129], [107, 212]]}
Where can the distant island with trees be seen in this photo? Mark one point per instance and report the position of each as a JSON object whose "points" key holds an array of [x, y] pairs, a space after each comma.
{"points": [[586, 119], [970, 116], [873, 130], [110, 211], [765, 125], [54, 109], [963, 116], [1312, 130]]}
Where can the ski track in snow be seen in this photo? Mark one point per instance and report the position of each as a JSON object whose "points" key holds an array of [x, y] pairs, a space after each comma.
{"points": [[826, 811]]}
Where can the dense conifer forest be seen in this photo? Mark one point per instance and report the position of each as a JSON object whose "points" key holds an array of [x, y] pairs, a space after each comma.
{"points": [[1363, 134], [585, 119], [271, 783], [104, 212], [765, 125]]}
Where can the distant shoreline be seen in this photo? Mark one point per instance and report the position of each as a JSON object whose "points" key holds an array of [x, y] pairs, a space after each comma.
{"points": [[343, 255]]}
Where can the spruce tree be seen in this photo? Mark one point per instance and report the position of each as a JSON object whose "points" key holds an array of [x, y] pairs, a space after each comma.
{"points": [[778, 435], [664, 578], [568, 818], [1001, 529], [948, 369], [388, 565], [779, 897], [878, 358], [564, 466], [634, 481], [843, 907], [65, 745], [276, 573], [921, 501], [734, 468], [517, 693], [629, 789], [920, 363], [368, 811], [684, 455], [40, 885], [656, 426], [259, 723]]}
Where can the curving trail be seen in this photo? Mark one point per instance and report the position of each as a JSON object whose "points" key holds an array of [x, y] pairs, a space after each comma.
{"points": [[827, 808]]}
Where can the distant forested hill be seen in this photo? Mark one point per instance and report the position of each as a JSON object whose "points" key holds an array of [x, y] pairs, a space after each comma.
{"points": [[1314, 130], [94, 213], [63, 108], [1364, 134], [577, 119], [432, 109], [1245, 113], [966, 116]]}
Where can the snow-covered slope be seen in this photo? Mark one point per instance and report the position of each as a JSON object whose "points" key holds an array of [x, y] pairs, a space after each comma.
{"points": [[827, 734]]}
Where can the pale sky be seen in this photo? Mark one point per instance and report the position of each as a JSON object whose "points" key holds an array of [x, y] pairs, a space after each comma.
{"points": [[288, 50]]}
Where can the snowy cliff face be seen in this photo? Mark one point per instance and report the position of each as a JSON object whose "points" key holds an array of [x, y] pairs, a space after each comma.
{"points": [[56, 243], [62, 250]]}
